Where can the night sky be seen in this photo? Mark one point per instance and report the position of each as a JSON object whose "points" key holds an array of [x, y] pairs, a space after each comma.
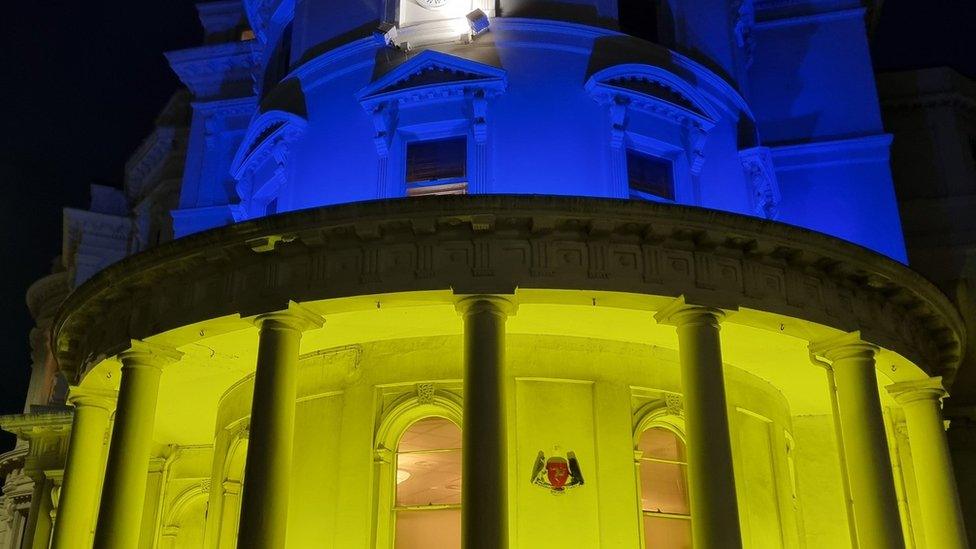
{"points": [[83, 81]]}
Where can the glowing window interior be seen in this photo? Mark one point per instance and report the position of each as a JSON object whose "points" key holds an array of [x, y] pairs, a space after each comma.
{"points": [[650, 176], [437, 161], [664, 490], [428, 490]]}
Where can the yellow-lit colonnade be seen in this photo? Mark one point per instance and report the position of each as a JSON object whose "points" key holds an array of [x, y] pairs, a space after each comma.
{"points": [[515, 276]]}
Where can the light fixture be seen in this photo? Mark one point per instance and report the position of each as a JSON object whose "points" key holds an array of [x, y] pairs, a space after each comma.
{"points": [[478, 22], [386, 33]]}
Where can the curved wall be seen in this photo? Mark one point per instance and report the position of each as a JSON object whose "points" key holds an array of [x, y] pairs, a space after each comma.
{"points": [[587, 395], [550, 107]]}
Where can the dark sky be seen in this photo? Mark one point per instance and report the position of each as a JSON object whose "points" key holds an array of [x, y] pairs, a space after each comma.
{"points": [[83, 81]]}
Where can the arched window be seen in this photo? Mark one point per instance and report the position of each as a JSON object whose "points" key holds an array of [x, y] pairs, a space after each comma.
{"points": [[427, 504], [663, 471]]}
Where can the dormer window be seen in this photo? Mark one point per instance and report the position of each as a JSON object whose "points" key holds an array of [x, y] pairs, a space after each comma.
{"points": [[650, 177], [436, 166]]}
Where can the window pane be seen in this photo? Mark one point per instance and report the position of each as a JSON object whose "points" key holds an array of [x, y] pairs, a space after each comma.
{"points": [[429, 478], [650, 174], [432, 433], [437, 159], [661, 443], [429, 464], [663, 488], [665, 533], [440, 528]]}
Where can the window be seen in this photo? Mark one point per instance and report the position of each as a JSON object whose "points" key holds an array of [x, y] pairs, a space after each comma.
{"points": [[436, 160], [437, 166], [428, 486], [649, 177], [664, 490]]}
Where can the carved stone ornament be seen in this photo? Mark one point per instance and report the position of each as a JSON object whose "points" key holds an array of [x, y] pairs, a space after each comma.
{"points": [[425, 393], [744, 18], [653, 91], [757, 165], [445, 242], [268, 142], [674, 404]]}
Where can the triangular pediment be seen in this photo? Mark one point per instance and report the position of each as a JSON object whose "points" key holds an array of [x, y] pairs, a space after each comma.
{"points": [[433, 69]]}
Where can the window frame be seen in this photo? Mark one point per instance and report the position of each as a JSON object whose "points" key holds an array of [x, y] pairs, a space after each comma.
{"points": [[447, 185], [444, 129], [407, 410], [649, 146], [667, 416], [639, 194]]}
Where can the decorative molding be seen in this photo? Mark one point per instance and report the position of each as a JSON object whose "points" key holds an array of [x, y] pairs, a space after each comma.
{"points": [[425, 393], [631, 89], [145, 164], [674, 404], [218, 69], [432, 77], [757, 164], [715, 258], [839, 152], [744, 22], [266, 148]]}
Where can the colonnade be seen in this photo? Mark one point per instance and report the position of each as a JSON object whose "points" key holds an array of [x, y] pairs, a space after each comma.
{"points": [[715, 524]]}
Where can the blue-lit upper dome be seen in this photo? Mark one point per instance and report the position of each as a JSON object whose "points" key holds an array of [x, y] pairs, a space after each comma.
{"points": [[374, 100]]}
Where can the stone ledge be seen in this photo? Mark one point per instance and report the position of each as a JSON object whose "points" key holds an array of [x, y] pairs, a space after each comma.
{"points": [[485, 241]]}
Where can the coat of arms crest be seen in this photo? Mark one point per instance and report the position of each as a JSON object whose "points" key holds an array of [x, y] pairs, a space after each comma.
{"points": [[557, 473]]}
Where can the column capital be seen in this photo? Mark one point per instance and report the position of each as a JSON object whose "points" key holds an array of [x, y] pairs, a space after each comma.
{"points": [[906, 392], [81, 397], [295, 317], [849, 345], [681, 313], [142, 354], [501, 304]]}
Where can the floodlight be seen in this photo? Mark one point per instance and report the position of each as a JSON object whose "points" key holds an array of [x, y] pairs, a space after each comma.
{"points": [[478, 22]]}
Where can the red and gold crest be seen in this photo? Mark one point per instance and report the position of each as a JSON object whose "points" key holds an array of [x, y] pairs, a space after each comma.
{"points": [[557, 473]]}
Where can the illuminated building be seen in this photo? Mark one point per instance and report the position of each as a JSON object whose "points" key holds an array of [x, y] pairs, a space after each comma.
{"points": [[398, 273]]}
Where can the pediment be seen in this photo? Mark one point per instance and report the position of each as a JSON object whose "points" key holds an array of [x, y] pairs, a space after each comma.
{"points": [[264, 133], [433, 71], [653, 89]]}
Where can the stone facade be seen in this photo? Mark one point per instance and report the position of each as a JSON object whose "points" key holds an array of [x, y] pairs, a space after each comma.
{"points": [[687, 237]]}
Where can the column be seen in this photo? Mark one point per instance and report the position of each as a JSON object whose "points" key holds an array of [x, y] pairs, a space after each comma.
{"points": [[124, 490], [38, 534], [484, 492], [863, 439], [267, 471], [941, 514], [714, 509], [229, 513], [83, 467]]}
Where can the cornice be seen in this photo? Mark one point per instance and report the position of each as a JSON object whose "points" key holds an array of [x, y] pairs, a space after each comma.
{"points": [[44, 291], [357, 54], [472, 244], [210, 70], [869, 148], [36, 424], [145, 163]]}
